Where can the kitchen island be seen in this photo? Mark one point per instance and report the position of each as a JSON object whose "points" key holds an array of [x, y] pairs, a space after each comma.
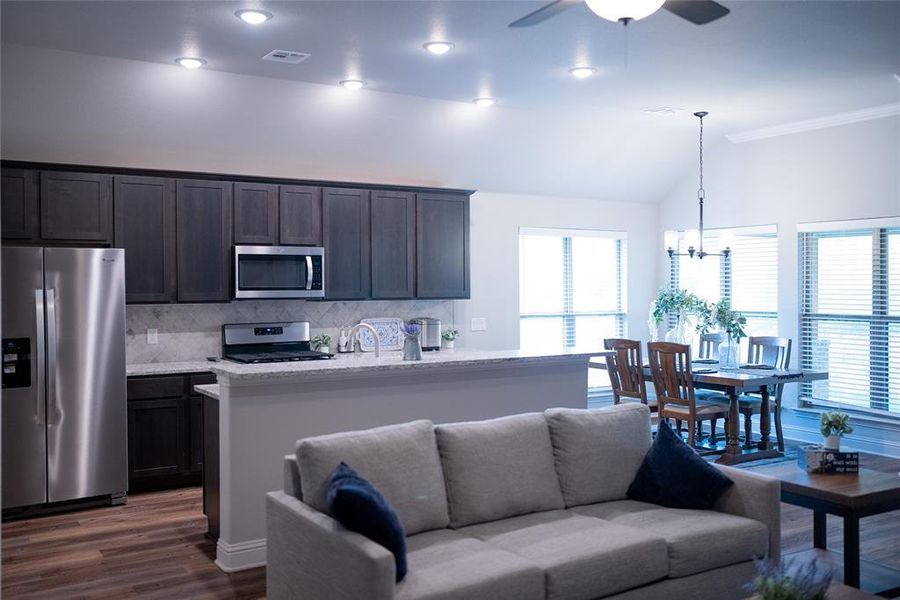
{"points": [[257, 412]]}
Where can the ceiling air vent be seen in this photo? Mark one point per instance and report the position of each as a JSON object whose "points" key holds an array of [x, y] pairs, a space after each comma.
{"points": [[286, 56]]}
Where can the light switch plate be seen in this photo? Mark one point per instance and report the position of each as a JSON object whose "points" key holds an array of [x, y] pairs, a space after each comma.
{"points": [[152, 336], [479, 324]]}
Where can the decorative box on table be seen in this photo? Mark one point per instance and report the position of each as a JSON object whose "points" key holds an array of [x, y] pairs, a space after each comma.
{"points": [[816, 459]]}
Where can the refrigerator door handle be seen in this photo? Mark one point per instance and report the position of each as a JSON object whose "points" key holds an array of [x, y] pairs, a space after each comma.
{"points": [[51, 358], [40, 405]]}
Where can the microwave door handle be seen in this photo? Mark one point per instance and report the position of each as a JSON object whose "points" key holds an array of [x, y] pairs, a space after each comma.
{"points": [[40, 406], [309, 270]]}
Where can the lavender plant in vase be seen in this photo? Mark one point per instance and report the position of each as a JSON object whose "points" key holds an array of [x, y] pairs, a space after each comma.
{"points": [[412, 346]]}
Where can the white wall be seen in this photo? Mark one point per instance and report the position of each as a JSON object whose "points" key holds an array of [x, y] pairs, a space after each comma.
{"points": [[839, 173], [496, 219]]}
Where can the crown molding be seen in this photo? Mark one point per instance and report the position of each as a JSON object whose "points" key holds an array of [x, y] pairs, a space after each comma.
{"points": [[844, 118]]}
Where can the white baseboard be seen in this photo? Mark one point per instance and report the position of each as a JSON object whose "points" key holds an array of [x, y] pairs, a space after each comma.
{"points": [[242, 556]]}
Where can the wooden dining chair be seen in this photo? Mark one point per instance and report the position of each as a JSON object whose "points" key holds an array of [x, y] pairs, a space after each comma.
{"points": [[626, 371], [709, 349], [774, 352], [672, 377]]}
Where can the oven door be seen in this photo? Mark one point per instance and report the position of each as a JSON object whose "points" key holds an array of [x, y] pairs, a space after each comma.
{"points": [[279, 272]]}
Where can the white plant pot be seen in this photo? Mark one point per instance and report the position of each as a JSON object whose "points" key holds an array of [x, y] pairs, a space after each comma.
{"points": [[832, 442], [448, 344], [324, 349]]}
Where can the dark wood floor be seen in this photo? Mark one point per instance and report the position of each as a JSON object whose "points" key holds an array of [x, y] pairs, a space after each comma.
{"points": [[154, 547]]}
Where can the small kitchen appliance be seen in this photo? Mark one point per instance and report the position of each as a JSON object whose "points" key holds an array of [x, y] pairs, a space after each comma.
{"points": [[279, 272], [286, 341], [431, 332]]}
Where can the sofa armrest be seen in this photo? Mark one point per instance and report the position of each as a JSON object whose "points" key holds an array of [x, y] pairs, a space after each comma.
{"points": [[310, 555], [756, 497]]}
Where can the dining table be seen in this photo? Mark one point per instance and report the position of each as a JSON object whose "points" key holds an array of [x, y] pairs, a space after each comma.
{"points": [[733, 383]]}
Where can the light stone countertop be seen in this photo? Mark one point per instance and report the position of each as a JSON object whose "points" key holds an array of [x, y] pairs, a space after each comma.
{"points": [[366, 361], [208, 389]]}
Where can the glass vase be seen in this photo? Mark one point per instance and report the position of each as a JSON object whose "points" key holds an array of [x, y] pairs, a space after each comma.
{"points": [[680, 333], [729, 351], [412, 347]]}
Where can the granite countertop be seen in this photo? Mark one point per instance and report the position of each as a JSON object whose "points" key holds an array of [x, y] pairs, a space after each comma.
{"points": [[394, 361], [208, 389], [362, 362]]}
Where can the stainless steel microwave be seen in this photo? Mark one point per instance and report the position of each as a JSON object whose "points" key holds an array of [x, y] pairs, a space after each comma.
{"points": [[279, 272]]}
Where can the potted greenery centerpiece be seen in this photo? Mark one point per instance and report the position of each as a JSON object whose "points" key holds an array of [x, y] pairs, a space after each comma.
{"points": [[728, 321], [834, 425], [322, 343], [449, 338], [790, 581], [678, 302]]}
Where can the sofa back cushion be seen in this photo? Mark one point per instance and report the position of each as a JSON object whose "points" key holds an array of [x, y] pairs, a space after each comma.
{"points": [[401, 461], [498, 468], [598, 452]]}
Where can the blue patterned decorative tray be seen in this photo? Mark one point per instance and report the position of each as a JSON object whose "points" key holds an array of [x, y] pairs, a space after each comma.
{"points": [[388, 333]]}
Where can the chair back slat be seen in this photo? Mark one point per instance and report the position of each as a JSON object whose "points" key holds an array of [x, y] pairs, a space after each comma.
{"points": [[709, 345], [626, 369], [672, 377]]}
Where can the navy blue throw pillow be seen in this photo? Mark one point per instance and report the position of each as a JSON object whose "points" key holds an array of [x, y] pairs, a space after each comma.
{"points": [[674, 475], [358, 506]]}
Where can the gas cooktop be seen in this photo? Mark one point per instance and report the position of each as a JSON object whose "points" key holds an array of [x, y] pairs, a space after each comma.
{"points": [[276, 356], [268, 342]]}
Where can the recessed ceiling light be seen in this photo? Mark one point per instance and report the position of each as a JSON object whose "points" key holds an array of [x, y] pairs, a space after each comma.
{"points": [[253, 17], [582, 72], [189, 62], [353, 84], [439, 47], [484, 102]]}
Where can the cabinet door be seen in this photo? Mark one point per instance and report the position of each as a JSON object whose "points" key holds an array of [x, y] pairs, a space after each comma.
{"points": [[145, 228], [156, 436], [203, 215], [345, 233], [76, 207], [442, 247], [300, 215], [393, 244], [195, 434], [18, 197], [255, 213]]}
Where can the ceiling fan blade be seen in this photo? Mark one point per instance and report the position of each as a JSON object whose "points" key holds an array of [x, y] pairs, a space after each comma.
{"points": [[698, 12], [544, 13]]}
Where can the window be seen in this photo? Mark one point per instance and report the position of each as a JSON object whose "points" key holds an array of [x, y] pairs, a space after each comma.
{"points": [[571, 288], [850, 317], [748, 277]]}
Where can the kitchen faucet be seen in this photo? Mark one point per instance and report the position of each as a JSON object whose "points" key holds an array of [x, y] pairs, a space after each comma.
{"points": [[355, 340]]}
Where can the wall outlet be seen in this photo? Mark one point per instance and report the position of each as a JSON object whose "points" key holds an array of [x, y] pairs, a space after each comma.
{"points": [[152, 336], [479, 324]]}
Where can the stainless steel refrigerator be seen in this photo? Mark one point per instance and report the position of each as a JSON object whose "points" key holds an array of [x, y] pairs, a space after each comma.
{"points": [[64, 407]]}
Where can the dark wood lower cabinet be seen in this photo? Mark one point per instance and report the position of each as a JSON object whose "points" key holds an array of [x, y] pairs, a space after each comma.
{"points": [[165, 433], [211, 466]]}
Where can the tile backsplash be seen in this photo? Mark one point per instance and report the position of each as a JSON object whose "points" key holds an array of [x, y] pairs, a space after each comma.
{"points": [[194, 331]]}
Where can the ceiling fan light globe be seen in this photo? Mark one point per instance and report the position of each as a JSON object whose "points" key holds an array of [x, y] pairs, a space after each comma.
{"points": [[617, 10]]}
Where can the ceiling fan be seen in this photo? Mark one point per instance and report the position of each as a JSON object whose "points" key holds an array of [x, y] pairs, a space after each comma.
{"points": [[698, 12]]}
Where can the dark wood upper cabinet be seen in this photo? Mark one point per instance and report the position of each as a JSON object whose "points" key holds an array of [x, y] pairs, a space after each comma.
{"points": [[145, 228], [393, 244], [442, 245], [255, 213], [300, 215], [345, 234], [76, 207], [18, 197], [203, 226]]}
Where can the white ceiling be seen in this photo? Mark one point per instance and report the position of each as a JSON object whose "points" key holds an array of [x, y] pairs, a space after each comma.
{"points": [[767, 63]]}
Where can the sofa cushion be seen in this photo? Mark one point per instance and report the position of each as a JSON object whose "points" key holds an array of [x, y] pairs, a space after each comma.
{"points": [[444, 565], [400, 460], [698, 540], [582, 558], [498, 468], [673, 474], [598, 452], [358, 506]]}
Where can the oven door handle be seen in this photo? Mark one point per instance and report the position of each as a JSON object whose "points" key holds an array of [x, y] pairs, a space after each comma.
{"points": [[309, 270]]}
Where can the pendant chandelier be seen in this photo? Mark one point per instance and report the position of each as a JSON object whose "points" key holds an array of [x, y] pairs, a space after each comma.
{"points": [[694, 237]]}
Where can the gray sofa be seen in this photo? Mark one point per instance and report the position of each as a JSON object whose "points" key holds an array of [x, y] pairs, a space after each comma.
{"points": [[531, 506]]}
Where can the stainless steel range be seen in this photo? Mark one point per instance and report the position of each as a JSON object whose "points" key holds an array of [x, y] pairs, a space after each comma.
{"points": [[268, 342]]}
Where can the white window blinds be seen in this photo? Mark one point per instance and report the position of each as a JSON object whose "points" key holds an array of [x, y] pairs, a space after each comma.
{"points": [[850, 317]]}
